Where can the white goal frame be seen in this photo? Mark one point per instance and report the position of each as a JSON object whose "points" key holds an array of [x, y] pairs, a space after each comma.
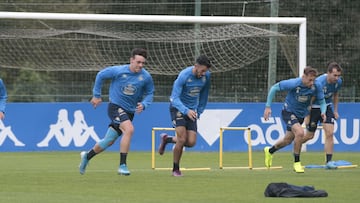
{"points": [[301, 21]]}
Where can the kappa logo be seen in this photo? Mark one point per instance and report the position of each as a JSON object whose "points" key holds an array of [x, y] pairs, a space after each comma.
{"points": [[6, 132], [64, 132]]}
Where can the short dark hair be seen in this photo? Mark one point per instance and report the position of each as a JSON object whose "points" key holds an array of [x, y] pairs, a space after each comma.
{"points": [[139, 51], [310, 71], [203, 60], [334, 65]]}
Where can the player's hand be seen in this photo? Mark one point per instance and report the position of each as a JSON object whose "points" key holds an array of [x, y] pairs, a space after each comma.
{"points": [[192, 115], [336, 115], [323, 116], [139, 107], [95, 101], [2, 115], [267, 113]]}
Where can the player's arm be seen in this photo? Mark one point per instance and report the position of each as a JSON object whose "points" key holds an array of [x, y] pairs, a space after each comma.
{"points": [[102, 75], [148, 93], [335, 103], [270, 97], [321, 98], [175, 95], [3, 96], [203, 97]]}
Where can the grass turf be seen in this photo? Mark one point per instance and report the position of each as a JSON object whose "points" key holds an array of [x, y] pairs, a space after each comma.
{"points": [[54, 177]]}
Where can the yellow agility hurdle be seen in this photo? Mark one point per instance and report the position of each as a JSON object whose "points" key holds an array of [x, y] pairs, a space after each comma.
{"points": [[250, 161], [153, 141]]}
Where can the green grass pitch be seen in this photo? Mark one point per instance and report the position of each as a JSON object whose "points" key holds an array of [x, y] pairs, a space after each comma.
{"points": [[54, 177]]}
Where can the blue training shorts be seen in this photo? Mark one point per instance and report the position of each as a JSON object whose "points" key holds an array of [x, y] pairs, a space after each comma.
{"points": [[179, 119], [315, 118], [118, 115], [290, 119]]}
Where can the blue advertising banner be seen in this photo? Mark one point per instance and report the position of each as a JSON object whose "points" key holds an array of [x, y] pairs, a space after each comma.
{"points": [[78, 126]]}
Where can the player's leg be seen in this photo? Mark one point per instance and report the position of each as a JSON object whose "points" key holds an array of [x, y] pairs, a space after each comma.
{"points": [[164, 140], [191, 127], [328, 128], [176, 117], [298, 132], [289, 137], [329, 140], [128, 129], [109, 138], [311, 124], [181, 134]]}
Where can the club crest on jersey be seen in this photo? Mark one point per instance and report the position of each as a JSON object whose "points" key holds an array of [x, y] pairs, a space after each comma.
{"points": [[194, 91], [129, 89], [140, 78]]}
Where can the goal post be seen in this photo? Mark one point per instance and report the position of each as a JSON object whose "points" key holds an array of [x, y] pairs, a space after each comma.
{"points": [[225, 20]]}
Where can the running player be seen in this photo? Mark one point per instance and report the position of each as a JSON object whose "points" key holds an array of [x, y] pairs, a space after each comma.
{"points": [[187, 101], [131, 90], [301, 91]]}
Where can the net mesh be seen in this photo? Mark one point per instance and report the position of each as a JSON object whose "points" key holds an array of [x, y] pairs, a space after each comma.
{"points": [[88, 46]]}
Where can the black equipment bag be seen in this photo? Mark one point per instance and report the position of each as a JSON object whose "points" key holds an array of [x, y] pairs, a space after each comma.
{"points": [[288, 190]]}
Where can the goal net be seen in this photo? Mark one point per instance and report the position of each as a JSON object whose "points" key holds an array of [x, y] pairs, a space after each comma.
{"points": [[59, 45], [85, 42]]}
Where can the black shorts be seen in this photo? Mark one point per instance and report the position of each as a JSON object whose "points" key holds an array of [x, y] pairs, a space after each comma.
{"points": [[118, 115], [179, 119], [290, 119], [315, 118]]}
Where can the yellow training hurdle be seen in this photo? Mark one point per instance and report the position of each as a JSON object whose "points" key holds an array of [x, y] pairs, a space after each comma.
{"points": [[153, 151], [250, 161]]}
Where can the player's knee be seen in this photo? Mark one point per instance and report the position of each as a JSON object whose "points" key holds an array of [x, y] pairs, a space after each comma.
{"points": [[309, 135], [190, 143], [116, 127], [311, 127], [109, 139]]}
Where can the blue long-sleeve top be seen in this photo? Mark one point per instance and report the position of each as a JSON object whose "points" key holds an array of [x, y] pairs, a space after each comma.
{"points": [[190, 92], [127, 88], [328, 88], [3, 96], [299, 96]]}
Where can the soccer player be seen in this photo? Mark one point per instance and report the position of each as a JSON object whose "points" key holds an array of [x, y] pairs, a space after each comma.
{"points": [[131, 90], [188, 100], [3, 98], [331, 83], [300, 92]]}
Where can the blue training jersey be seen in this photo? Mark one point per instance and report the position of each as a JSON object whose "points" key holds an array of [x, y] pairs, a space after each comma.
{"points": [[3, 96], [190, 92], [126, 88], [299, 96], [328, 88]]}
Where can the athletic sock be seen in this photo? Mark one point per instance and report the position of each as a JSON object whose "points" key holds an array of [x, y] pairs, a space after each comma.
{"points": [[328, 157], [297, 157], [91, 154], [169, 139], [272, 150], [176, 167], [123, 157]]}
